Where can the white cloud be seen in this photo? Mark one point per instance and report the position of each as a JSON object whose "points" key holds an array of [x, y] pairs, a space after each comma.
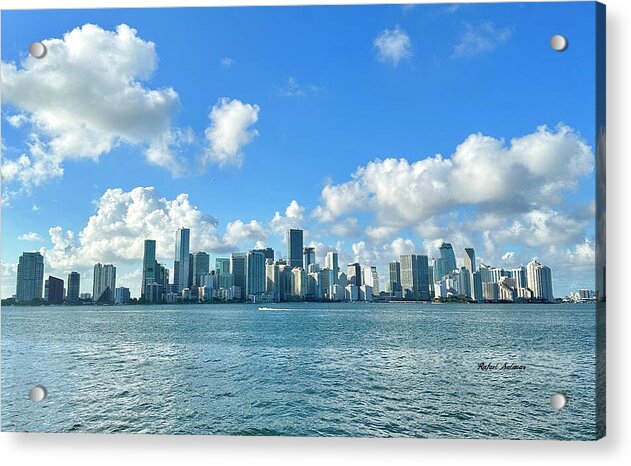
{"points": [[238, 231], [541, 227], [294, 89], [87, 96], [293, 218], [393, 45], [484, 173], [480, 38], [227, 62], [229, 131], [30, 236], [123, 220]]}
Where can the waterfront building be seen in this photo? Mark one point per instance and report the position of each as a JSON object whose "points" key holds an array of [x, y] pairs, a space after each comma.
{"points": [[163, 277], [394, 280], [254, 273], [122, 295], [181, 264], [476, 286], [74, 287], [448, 257], [30, 277], [237, 269], [539, 278], [55, 293], [469, 259], [351, 293], [298, 283], [519, 275], [414, 277], [285, 281], [149, 266], [87, 296], [222, 265], [490, 291], [365, 293], [308, 257], [464, 282], [294, 240], [331, 263], [354, 274], [201, 266], [438, 265], [104, 283], [272, 279]]}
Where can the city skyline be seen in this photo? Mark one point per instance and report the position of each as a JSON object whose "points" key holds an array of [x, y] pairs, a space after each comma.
{"points": [[258, 276], [274, 140]]}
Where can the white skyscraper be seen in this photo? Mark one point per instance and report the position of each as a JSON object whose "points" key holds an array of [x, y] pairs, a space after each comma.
{"points": [[104, 283], [181, 264], [539, 278]]}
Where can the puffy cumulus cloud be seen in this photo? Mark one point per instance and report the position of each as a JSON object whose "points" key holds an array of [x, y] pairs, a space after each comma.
{"points": [[229, 131], [81, 104], [238, 231], [542, 228], [393, 45], [484, 173], [348, 227], [8, 273], [293, 218], [123, 220], [30, 236], [480, 38]]}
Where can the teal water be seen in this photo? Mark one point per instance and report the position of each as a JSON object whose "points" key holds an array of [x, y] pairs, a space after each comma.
{"points": [[313, 369]]}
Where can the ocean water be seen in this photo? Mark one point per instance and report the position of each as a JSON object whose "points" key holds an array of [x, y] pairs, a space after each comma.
{"points": [[383, 370]]}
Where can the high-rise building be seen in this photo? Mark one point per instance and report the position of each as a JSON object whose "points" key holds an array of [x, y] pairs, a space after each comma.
{"points": [[371, 278], [394, 279], [272, 278], [539, 279], [308, 257], [182, 261], [30, 277], [149, 265], [163, 277], [519, 275], [201, 266], [237, 269], [222, 266], [268, 252], [55, 290], [74, 287], [190, 271], [123, 296], [476, 286], [469, 259], [104, 283], [354, 274], [414, 277], [331, 263], [294, 248], [464, 282], [254, 273], [298, 282], [448, 257]]}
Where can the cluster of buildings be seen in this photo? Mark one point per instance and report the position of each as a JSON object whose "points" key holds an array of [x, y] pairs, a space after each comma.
{"points": [[413, 278], [257, 276]]}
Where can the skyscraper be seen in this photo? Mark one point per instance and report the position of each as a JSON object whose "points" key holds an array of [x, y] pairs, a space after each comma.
{"points": [[331, 263], [254, 273], [149, 265], [354, 274], [222, 266], [394, 279], [104, 283], [237, 269], [469, 259], [30, 279], [294, 248], [181, 262], [539, 279], [448, 257], [55, 290], [415, 277], [308, 257], [74, 287], [201, 266]]}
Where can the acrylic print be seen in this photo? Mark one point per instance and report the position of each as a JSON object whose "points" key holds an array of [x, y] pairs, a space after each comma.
{"points": [[359, 221]]}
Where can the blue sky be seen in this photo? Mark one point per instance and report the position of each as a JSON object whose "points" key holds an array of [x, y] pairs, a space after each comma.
{"points": [[311, 97]]}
